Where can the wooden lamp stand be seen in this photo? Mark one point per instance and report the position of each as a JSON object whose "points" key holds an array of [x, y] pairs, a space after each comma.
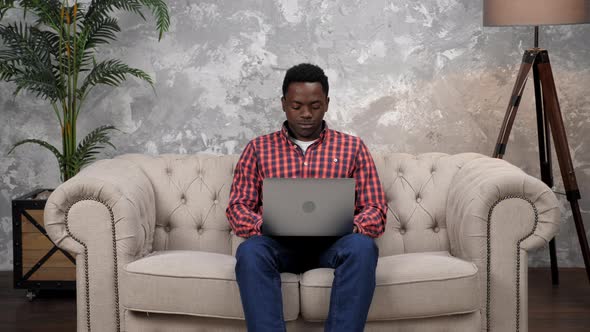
{"points": [[549, 121]]}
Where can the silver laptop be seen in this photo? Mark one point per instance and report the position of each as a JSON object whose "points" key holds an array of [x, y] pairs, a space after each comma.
{"points": [[307, 207]]}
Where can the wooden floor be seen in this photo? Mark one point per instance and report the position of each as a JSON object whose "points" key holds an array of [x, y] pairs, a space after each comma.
{"points": [[551, 309]]}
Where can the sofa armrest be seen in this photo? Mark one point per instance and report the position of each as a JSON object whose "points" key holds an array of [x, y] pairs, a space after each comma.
{"points": [[105, 216], [495, 214]]}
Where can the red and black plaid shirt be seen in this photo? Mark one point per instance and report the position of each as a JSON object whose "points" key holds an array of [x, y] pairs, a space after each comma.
{"points": [[333, 155]]}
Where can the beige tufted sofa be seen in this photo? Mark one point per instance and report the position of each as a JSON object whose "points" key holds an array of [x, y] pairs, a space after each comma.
{"points": [[154, 251]]}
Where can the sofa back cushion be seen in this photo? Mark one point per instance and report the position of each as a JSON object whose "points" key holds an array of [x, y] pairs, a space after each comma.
{"points": [[192, 193], [416, 189]]}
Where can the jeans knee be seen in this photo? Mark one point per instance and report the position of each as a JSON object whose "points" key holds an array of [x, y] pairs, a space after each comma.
{"points": [[363, 247], [253, 252]]}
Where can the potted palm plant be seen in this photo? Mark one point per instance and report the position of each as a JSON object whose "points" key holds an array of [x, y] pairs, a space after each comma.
{"points": [[50, 53]]}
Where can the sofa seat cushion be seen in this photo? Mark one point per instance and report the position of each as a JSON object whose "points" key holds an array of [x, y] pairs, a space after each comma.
{"points": [[411, 285], [193, 283]]}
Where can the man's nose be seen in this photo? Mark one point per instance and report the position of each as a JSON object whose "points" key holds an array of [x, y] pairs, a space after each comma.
{"points": [[306, 112]]}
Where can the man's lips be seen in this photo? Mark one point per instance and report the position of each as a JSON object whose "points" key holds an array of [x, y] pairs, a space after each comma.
{"points": [[306, 125]]}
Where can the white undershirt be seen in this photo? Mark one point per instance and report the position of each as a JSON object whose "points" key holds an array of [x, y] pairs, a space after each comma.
{"points": [[302, 144]]}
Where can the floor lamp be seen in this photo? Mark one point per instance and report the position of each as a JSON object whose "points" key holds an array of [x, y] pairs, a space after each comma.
{"points": [[549, 119]]}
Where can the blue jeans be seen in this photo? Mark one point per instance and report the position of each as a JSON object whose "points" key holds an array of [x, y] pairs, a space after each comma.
{"points": [[261, 259]]}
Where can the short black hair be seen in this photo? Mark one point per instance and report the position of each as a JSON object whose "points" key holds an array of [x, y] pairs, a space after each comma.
{"points": [[305, 72]]}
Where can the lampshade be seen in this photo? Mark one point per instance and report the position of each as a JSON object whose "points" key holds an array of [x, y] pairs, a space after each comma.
{"points": [[535, 12]]}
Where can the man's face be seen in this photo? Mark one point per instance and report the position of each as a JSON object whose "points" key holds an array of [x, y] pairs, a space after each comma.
{"points": [[305, 105]]}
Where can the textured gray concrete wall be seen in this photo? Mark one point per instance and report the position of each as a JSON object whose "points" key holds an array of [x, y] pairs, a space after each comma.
{"points": [[406, 76]]}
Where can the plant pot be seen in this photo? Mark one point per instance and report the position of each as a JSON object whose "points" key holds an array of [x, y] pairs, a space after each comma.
{"points": [[38, 263]]}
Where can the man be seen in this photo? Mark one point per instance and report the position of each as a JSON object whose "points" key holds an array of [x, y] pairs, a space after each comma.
{"points": [[306, 148]]}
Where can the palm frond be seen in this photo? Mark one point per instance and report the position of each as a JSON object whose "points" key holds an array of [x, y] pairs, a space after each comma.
{"points": [[100, 8], [43, 44], [16, 43], [53, 149], [47, 11], [5, 5], [101, 31], [160, 11], [50, 40], [26, 60], [8, 71], [24, 44], [111, 72], [43, 85], [90, 146], [93, 33]]}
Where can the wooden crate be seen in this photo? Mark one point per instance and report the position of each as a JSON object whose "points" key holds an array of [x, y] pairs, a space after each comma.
{"points": [[38, 262]]}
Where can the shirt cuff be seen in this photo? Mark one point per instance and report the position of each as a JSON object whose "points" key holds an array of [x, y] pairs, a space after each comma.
{"points": [[257, 226], [360, 228]]}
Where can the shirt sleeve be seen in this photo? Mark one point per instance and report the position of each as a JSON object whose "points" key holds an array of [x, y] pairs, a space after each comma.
{"points": [[370, 204], [243, 211]]}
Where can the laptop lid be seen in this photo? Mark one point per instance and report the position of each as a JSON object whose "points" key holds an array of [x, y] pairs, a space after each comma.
{"points": [[308, 207]]}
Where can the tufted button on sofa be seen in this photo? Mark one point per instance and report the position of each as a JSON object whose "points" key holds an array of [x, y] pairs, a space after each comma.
{"points": [[154, 250]]}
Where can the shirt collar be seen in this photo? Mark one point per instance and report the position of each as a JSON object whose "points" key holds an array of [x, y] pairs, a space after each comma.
{"points": [[286, 132]]}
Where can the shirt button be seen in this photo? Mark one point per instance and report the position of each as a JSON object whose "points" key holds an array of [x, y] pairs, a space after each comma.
{"points": [[305, 163]]}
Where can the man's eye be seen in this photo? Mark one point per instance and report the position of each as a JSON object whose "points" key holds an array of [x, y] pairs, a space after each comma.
{"points": [[295, 107]]}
